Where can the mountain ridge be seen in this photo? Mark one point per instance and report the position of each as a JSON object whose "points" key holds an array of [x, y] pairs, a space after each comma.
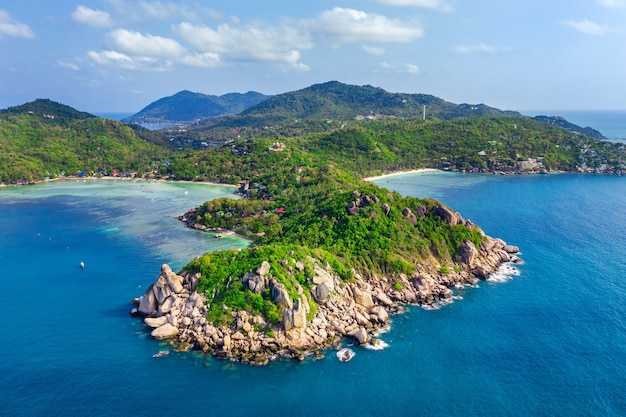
{"points": [[187, 106]]}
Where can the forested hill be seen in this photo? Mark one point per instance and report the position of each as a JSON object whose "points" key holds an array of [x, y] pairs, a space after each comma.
{"points": [[45, 139], [55, 113], [186, 106], [335, 100]]}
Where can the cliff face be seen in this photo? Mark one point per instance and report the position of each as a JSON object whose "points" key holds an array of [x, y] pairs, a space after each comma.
{"points": [[325, 309]]}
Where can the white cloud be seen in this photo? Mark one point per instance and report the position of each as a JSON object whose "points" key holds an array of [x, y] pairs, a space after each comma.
{"points": [[158, 10], [90, 17], [480, 48], [11, 27], [349, 25], [164, 11], [613, 4], [429, 4], [373, 50], [411, 69], [136, 43], [588, 27], [401, 69], [249, 43], [68, 65], [135, 63]]}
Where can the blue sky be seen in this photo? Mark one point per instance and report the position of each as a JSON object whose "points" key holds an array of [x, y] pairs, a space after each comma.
{"points": [[120, 55]]}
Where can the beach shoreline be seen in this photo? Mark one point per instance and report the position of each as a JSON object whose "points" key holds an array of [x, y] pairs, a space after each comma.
{"points": [[395, 173], [72, 178]]}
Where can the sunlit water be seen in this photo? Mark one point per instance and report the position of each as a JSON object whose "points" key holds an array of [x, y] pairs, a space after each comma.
{"points": [[549, 342]]}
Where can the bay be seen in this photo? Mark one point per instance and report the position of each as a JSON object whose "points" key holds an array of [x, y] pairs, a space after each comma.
{"points": [[550, 341]]}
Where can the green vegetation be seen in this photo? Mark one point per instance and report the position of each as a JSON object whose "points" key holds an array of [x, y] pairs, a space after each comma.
{"points": [[52, 140], [304, 197]]}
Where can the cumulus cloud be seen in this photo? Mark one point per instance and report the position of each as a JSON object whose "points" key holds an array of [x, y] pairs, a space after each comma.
{"points": [[343, 25], [613, 4], [588, 27], [200, 45], [96, 18], [480, 48], [120, 60], [136, 43], [429, 4], [11, 27], [249, 43]]}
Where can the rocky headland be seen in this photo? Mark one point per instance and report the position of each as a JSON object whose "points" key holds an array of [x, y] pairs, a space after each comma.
{"points": [[325, 310]]}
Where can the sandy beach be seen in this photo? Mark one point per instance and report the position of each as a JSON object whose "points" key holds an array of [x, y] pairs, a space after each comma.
{"points": [[413, 171]]}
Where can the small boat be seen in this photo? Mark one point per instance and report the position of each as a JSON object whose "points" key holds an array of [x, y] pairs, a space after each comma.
{"points": [[345, 354], [82, 265]]}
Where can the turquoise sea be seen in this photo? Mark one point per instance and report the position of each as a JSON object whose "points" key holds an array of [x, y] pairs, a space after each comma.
{"points": [[549, 342]]}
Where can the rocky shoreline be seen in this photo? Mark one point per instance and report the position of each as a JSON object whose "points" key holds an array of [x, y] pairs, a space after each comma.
{"points": [[175, 311]]}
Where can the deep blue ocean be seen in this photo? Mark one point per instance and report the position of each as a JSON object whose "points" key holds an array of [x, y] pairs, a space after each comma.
{"points": [[549, 342]]}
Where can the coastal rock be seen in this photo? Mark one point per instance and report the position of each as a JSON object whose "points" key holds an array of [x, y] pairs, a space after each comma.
{"points": [[361, 336], [386, 209], [321, 293], [322, 277], [165, 331], [469, 253], [511, 249], [147, 302], [295, 317], [280, 296], [363, 298], [155, 322], [448, 215], [384, 299]]}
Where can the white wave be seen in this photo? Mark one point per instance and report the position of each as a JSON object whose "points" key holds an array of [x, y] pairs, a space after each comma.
{"points": [[505, 273], [382, 330], [377, 344], [438, 304]]}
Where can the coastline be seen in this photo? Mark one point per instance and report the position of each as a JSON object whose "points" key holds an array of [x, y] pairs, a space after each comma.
{"points": [[72, 178], [395, 173]]}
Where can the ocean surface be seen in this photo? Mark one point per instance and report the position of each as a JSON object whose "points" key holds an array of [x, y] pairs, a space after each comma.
{"points": [[550, 341]]}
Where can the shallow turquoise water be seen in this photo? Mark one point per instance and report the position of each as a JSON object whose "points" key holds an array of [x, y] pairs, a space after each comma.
{"points": [[551, 341]]}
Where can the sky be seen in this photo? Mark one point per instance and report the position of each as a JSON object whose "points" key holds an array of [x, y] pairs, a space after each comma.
{"points": [[120, 55]]}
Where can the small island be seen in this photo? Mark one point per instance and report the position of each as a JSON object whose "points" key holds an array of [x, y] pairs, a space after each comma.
{"points": [[334, 257]]}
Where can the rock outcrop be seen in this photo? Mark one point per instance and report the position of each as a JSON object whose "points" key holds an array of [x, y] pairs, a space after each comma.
{"points": [[173, 309]]}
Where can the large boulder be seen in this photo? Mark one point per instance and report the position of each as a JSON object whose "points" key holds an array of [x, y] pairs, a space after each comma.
{"points": [[165, 331], [322, 276], [295, 318], [148, 302], [363, 298], [361, 336], [448, 215], [321, 292], [264, 269], [469, 253], [280, 296]]}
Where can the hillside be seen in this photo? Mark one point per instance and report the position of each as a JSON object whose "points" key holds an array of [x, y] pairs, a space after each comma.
{"points": [[44, 139], [323, 107], [186, 107], [335, 100]]}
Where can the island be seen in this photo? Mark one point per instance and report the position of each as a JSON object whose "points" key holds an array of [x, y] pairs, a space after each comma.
{"points": [[332, 257]]}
